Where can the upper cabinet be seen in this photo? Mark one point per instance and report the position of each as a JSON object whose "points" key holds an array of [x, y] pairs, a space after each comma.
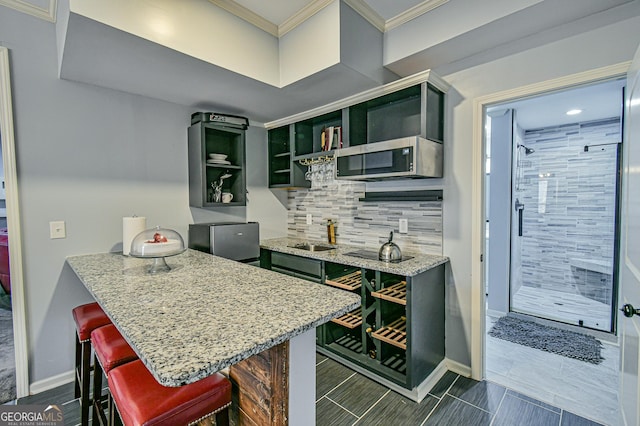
{"points": [[413, 106], [217, 162]]}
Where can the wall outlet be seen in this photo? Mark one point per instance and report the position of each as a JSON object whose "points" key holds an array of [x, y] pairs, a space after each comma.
{"points": [[309, 219], [57, 229], [403, 226]]}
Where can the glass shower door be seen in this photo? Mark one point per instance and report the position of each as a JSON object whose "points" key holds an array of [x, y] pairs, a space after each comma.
{"points": [[564, 213]]}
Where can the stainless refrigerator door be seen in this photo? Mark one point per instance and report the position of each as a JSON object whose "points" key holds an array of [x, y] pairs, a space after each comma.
{"points": [[236, 241]]}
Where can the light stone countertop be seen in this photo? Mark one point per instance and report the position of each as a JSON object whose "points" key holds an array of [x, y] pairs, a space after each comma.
{"points": [[207, 313], [420, 262]]}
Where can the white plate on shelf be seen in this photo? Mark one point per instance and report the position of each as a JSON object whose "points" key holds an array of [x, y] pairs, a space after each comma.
{"points": [[225, 162]]}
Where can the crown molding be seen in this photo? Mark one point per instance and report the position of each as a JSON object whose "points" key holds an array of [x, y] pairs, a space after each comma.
{"points": [[247, 15], [362, 8], [47, 14], [313, 7], [414, 12], [302, 15]]}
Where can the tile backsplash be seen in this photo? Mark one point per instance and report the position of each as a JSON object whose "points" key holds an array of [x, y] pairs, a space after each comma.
{"points": [[362, 224]]}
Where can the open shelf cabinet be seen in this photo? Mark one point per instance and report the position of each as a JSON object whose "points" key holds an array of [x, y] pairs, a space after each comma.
{"points": [[206, 138]]}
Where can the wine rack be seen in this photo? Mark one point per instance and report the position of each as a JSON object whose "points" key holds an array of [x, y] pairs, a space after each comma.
{"points": [[352, 281], [350, 320], [396, 293], [394, 334]]}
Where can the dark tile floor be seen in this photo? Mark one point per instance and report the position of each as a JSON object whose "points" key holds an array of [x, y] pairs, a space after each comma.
{"points": [[344, 397], [348, 398]]}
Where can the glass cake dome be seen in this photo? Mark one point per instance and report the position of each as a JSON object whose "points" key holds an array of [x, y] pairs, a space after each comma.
{"points": [[157, 243]]}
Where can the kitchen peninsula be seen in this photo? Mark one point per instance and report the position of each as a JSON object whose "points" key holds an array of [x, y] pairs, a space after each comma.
{"points": [[208, 313]]}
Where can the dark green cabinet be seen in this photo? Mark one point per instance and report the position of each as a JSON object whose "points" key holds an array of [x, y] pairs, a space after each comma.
{"points": [[228, 141], [283, 171], [416, 110], [398, 331]]}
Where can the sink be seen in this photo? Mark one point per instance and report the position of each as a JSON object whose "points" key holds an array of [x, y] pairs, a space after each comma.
{"points": [[313, 247]]}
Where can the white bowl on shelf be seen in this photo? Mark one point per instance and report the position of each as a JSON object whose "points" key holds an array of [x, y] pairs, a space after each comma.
{"points": [[219, 157]]}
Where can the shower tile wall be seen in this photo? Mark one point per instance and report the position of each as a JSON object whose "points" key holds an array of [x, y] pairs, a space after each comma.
{"points": [[568, 233], [363, 224]]}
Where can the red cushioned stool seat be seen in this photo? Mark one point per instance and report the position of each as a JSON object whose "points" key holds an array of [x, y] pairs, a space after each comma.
{"points": [[111, 350], [87, 317], [141, 400]]}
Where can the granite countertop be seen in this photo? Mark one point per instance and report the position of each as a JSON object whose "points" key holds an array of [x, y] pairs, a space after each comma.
{"points": [[419, 263], [207, 313]]}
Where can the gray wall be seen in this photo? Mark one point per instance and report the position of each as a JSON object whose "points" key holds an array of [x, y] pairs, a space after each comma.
{"points": [[90, 156]]}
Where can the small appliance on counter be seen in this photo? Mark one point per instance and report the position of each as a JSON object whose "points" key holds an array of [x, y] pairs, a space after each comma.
{"points": [[232, 240]]}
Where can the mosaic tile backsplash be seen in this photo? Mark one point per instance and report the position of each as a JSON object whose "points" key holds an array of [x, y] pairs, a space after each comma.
{"points": [[361, 224], [569, 215]]}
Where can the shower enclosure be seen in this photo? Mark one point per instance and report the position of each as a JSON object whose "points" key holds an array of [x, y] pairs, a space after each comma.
{"points": [[563, 227]]}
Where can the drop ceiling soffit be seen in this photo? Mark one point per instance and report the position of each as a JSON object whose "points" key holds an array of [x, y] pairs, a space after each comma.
{"points": [[315, 6], [47, 13]]}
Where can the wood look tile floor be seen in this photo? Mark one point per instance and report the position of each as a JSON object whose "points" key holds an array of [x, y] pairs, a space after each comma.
{"points": [[346, 398]]}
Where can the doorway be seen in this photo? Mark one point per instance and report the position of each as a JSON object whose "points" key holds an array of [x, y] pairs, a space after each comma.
{"points": [[551, 232], [554, 179]]}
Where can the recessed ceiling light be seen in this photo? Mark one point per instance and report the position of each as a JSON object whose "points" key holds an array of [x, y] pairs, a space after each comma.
{"points": [[574, 111]]}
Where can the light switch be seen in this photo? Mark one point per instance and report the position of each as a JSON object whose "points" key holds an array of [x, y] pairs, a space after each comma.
{"points": [[57, 229], [403, 226], [309, 219]]}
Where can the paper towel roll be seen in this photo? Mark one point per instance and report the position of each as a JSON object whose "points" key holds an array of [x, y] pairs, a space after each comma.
{"points": [[131, 226]]}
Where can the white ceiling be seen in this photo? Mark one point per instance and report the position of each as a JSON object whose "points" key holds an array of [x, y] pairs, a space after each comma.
{"points": [[597, 101], [278, 11]]}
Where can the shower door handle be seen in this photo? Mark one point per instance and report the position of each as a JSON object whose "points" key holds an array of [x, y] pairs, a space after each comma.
{"points": [[520, 215], [519, 208], [628, 310]]}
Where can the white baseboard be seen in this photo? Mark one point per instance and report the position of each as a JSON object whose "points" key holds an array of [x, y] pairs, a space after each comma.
{"points": [[495, 314], [51, 382], [458, 368]]}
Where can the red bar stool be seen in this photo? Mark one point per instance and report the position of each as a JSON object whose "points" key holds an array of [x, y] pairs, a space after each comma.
{"points": [[87, 317], [141, 400], [111, 350]]}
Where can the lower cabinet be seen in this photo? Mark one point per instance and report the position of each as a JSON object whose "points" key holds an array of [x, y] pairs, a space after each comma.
{"points": [[397, 333]]}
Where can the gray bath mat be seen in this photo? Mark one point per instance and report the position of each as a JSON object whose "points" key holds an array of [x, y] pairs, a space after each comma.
{"points": [[550, 339]]}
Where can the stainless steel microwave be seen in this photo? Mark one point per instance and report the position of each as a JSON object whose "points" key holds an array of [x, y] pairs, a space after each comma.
{"points": [[411, 157]]}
